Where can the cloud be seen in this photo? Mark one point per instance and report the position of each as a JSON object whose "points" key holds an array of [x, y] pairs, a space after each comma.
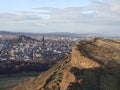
{"points": [[99, 16]]}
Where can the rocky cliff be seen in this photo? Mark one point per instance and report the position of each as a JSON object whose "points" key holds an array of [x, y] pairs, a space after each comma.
{"points": [[93, 65]]}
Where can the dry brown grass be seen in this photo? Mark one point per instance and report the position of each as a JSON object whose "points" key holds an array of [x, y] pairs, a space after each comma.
{"points": [[96, 67]]}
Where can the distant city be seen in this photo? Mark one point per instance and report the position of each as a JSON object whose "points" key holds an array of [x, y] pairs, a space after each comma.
{"points": [[43, 50], [39, 47]]}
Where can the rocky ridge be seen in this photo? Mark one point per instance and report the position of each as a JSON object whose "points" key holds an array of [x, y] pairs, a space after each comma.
{"points": [[92, 65]]}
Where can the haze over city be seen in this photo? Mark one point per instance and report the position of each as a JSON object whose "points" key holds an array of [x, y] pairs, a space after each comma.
{"points": [[43, 16]]}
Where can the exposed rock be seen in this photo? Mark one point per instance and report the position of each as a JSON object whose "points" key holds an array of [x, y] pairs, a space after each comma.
{"points": [[79, 60]]}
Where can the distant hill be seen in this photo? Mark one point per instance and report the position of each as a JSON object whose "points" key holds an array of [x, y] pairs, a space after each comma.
{"points": [[5, 32], [16, 33], [61, 34], [55, 34], [92, 65]]}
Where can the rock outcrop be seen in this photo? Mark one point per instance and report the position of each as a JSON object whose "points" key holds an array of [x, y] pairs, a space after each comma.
{"points": [[93, 65], [79, 60]]}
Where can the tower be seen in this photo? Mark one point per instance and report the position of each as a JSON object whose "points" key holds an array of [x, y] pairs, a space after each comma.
{"points": [[43, 38]]}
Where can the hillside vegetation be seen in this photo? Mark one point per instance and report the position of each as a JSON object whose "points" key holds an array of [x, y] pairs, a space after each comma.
{"points": [[9, 67], [92, 65]]}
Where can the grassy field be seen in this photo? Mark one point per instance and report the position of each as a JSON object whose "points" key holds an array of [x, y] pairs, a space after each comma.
{"points": [[7, 82]]}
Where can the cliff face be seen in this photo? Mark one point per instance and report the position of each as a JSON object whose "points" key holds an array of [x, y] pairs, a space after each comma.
{"points": [[79, 60], [91, 65]]}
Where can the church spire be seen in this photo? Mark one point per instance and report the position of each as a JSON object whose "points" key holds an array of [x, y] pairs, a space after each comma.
{"points": [[43, 38]]}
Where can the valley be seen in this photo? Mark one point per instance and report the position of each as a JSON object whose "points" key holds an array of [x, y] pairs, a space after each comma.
{"points": [[9, 81]]}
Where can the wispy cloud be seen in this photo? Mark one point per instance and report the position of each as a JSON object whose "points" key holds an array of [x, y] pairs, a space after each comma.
{"points": [[99, 16]]}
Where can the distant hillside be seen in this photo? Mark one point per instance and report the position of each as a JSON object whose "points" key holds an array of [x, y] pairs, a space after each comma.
{"points": [[5, 32], [55, 34], [9, 67], [17, 33], [61, 34], [92, 65]]}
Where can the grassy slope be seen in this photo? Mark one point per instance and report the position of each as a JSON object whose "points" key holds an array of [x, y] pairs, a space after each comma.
{"points": [[108, 79], [48, 78], [7, 82]]}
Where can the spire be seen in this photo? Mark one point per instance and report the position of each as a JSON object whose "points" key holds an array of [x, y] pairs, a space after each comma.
{"points": [[43, 39]]}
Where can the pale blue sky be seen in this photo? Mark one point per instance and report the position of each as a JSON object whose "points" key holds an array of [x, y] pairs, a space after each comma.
{"points": [[27, 5], [99, 16]]}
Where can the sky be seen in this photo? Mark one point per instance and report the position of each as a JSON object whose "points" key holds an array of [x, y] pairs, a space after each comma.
{"points": [[75, 16]]}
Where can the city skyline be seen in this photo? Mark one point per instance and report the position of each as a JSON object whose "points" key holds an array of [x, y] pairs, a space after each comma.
{"points": [[75, 16]]}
